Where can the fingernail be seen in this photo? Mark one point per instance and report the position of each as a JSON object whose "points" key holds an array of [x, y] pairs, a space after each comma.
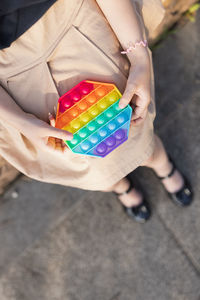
{"points": [[70, 136], [122, 105]]}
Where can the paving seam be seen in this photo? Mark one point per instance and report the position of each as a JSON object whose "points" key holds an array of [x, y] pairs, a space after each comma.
{"points": [[192, 261], [116, 296]]}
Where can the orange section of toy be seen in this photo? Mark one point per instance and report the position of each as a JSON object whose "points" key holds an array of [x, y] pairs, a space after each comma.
{"points": [[80, 107]]}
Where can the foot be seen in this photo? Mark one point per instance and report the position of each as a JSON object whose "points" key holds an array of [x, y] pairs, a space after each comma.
{"points": [[177, 186], [132, 201], [173, 183], [132, 198]]}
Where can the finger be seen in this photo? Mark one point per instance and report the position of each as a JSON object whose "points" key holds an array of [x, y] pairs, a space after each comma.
{"points": [[58, 145], [144, 98], [58, 148], [58, 141], [141, 103], [128, 94], [59, 133], [137, 121], [140, 119], [63, 144], [138, 111], [51, 142], [52, 120], [49, 146], [54, 144]]}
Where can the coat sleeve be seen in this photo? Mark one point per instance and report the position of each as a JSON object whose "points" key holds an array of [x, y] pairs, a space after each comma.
{"points": [[152, 11], [10, 112]]}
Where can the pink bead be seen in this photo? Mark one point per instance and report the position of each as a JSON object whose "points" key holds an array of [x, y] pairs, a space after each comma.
{"points": [[67, 102], [86, 88], [61, 108], [75, 96]]}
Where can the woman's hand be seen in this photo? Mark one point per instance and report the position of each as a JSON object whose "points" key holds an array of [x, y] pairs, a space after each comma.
{"points": [[44, 135], [123, 17], [138, 88], [56, 143], [40, 133]]}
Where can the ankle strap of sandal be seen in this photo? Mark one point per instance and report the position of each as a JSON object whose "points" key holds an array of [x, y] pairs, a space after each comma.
{"points": [[170, 173], [126, 192]]}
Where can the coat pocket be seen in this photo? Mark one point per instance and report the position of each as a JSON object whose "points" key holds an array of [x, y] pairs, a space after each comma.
{"points": [[77, 58], [34, 90]]}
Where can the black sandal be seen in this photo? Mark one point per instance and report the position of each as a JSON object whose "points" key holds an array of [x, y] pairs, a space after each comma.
{"points": [[141, 212], [184, 196]]}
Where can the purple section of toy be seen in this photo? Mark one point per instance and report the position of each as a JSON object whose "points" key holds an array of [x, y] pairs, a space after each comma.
{"points": [[103, 133], [105, 146], [110, 143]]}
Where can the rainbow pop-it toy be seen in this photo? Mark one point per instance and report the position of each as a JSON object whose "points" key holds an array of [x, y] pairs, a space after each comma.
{"points": [[91, 112]]}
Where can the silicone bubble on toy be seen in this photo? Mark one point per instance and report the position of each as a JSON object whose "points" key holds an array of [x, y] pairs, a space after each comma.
{"points": [[91, 112]]}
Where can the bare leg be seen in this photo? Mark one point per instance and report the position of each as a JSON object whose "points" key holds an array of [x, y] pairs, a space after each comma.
{"points": [[134, 197], [160, 163]]}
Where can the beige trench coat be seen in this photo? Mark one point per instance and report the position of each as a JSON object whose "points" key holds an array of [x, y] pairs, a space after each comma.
{"points": [[71, 42]]}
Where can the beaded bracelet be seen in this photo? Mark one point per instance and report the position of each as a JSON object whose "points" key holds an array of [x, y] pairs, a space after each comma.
{"points": [[133, 46]]}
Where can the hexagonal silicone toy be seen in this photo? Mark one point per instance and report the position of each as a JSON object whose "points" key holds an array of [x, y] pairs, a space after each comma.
{"points": [[91, 112]]}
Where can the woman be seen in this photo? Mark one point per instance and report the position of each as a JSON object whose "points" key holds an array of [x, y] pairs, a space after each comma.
{"points": [[67, 42]]}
